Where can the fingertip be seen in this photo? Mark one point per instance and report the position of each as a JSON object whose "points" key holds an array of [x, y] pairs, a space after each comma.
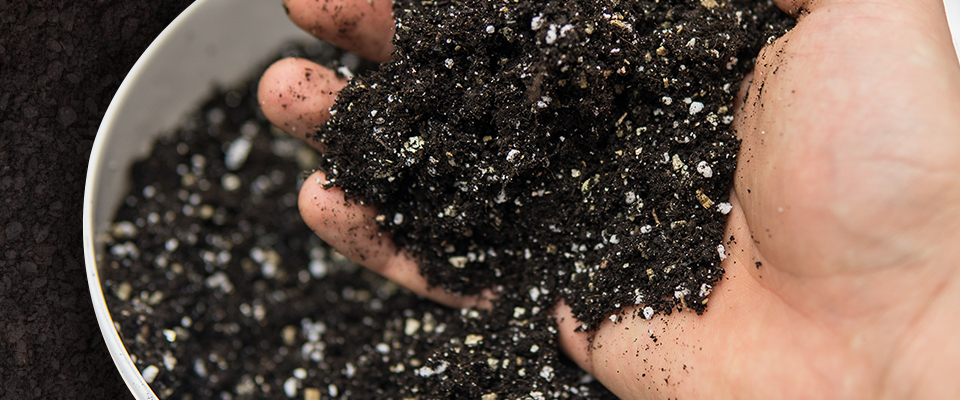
{"points": [[364, 27], [296, 94]]}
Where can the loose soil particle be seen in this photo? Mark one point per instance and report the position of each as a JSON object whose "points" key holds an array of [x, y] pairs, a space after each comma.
{"points": [[219, 290], [555, 149]]}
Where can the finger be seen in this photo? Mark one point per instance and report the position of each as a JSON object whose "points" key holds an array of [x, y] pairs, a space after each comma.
{"points": [[351, 229], [296, 95], [364, 27], [574, 344]]}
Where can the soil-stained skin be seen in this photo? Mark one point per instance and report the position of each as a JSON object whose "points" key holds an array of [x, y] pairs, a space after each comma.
{"points": [[293, 85], [366, 26], [577, 149]]}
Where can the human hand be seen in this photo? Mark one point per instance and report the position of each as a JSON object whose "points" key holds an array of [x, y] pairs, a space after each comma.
{"points": [[842, 276], [857, 293]]}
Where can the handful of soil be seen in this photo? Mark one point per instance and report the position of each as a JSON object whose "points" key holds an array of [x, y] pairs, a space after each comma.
{"points": [[575, 149]]}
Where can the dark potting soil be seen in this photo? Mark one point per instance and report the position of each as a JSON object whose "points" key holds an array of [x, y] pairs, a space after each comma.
{"points": [[219, 290], [555, 149]]}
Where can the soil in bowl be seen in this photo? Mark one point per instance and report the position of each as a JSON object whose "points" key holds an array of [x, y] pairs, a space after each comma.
{"points": [[219, 290]]}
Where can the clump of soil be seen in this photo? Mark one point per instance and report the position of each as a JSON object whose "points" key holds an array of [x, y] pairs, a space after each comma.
{"points": [[556, 149], [219, 290]]}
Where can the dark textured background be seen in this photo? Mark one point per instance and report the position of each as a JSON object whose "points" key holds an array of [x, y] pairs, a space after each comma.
{"points": [[60, 64]]}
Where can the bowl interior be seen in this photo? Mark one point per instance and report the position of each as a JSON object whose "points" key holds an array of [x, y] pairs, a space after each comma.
{"points": [[213, 42]]}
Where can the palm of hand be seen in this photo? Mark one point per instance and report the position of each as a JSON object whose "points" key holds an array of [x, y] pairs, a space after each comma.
{"points": [[842, 275], [842, 267]]}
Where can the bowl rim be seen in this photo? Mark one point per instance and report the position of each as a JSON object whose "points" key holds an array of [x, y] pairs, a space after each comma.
{"points": [[134, 380]]}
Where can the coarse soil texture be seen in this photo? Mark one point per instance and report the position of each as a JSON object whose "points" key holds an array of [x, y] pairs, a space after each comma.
{"points": [[555, 149], [219, 290]]}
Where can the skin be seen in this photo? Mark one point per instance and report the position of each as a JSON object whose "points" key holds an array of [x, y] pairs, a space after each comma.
{"points": [[847, 194]]}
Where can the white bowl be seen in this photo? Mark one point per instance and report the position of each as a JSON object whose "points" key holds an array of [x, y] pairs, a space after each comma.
{"points": [[213, 42]]}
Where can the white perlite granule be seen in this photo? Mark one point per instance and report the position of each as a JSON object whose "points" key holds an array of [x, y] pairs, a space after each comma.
{"points": [[647, 312]]}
